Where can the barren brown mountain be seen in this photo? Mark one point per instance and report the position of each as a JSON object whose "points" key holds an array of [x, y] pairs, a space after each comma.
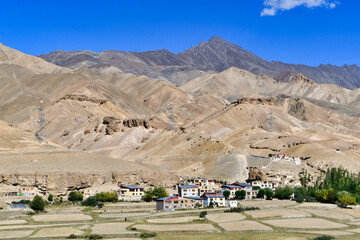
{"points": [[103, 125]]}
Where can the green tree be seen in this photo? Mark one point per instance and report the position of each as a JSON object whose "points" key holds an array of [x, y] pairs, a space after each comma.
{"points": [[50, 197], [91, 202], [304, 178], [240, 194], [226, 194], [269, 193], [261, 193], [38, 204], [345, 199], [148, 195], [160, 192], [153, 194], [283, 192]]}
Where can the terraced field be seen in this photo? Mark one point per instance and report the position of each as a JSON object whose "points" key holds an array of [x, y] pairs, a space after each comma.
{"points": [[275, 220]]}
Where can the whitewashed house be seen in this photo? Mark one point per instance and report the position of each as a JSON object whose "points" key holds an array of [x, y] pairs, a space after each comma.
{"points": [[217, 199]]}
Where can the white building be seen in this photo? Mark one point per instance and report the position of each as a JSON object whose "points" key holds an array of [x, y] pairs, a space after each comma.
{"points": [[217, 199], [188, 191], [272, 184], [232, 203]]}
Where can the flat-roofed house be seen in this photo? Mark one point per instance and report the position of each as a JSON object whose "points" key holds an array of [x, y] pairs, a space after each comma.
{"points": [[188, 190], [232, 189], [215, 198], [175, 202], [168, 203], [191, 202], [129, 191], [250, 192]]}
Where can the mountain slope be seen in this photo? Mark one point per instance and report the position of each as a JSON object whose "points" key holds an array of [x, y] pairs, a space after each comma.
{"points": [[215, 55]]}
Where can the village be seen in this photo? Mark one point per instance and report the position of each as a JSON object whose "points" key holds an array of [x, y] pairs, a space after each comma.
{"points": [[189, 194]]}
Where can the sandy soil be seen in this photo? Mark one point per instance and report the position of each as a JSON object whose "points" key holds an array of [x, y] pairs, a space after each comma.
{"points": [[177, 228], [305, 223], [225, 217], [316, 205], [244, 226], [172, 220], [112, 228], [62, 217], [57, 232], [355, 230], [123, 215], [331, 214], [266, 204], [352, 212], [328, 233], [119, 210], [29, 226], [12, 222], [131, 204], [284, 213], [14, 234]]}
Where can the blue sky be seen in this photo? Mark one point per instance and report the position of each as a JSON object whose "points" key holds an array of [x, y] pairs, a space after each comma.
{"points": [[293, 31]]}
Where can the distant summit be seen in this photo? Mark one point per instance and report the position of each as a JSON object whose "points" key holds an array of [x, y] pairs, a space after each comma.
{"points": [[215, 55]]}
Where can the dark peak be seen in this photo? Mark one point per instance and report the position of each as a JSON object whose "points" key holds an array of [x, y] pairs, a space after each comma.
{"points": [[215, 39]]}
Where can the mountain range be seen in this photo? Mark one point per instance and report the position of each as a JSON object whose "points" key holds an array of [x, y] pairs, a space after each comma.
{"points": [[216, 55], [106, 125]]}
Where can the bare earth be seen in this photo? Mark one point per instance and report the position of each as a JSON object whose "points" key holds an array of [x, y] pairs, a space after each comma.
{"points": [[12, 222], [112, 228], [284, 213], [61, 217], [123, 215], [244, 226], [267, 204], [14, 234], [172, 220], [328, 233], [57, 232], [225, 217], [331, 214], [305, 223], [179, 228], [352, 212]]}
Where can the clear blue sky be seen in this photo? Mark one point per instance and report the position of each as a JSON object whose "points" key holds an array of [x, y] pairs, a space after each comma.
{"points": [[305, 35]]}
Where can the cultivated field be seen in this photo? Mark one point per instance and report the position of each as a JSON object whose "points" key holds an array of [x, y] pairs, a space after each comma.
{"points": [[279, 220]]}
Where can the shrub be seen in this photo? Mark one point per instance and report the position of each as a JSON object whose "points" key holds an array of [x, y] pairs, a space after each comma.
{"points": [[345, 199], [37, 204], [75, 196], [240, 209], [203, 214], [226, 194], [27, 202], [72, 236], [256, 188], [95, 236], [148, 235], [324, 237], [326, 195], [50, 197], [269, 193], [261, 193], [283, 192]]}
